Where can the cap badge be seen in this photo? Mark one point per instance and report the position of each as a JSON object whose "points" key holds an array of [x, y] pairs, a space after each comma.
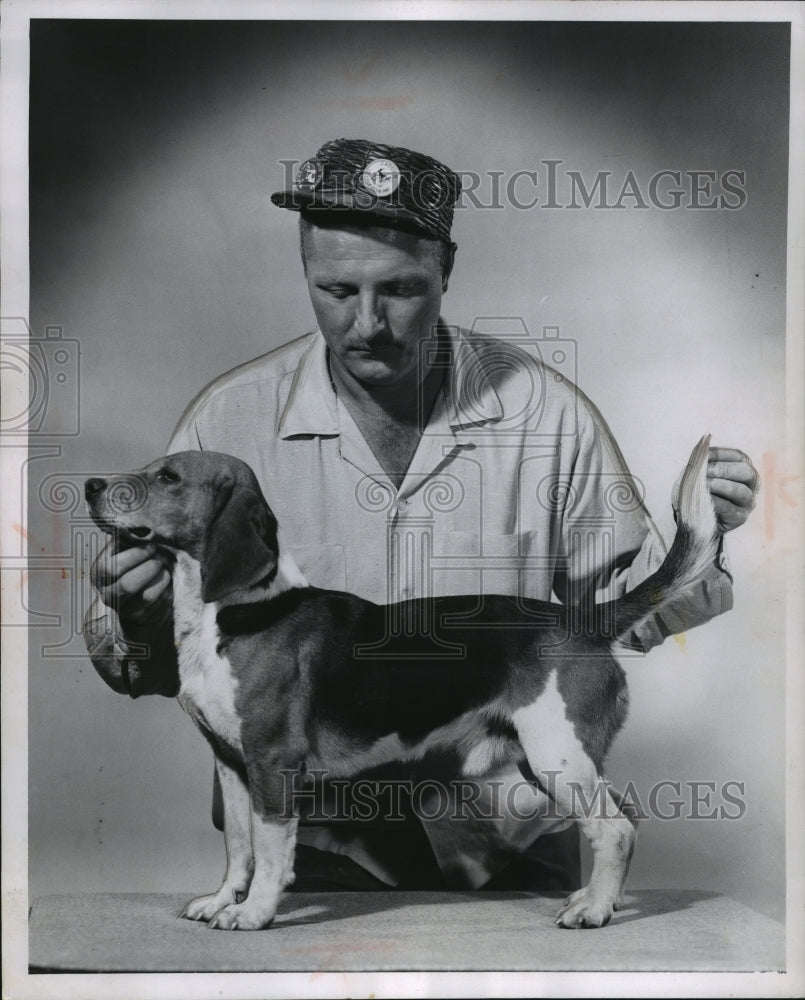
{"points": [[381, 177], [309, 175]]}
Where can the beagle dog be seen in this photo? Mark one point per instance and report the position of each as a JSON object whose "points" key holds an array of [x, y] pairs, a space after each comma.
{"points": [[280, 676]]}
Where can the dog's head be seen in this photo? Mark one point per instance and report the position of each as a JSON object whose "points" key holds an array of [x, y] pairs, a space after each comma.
{"points": [[200, 502]]}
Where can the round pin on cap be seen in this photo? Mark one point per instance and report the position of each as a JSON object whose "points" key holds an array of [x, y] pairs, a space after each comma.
{"points": [[381, 177], [309, 175]]}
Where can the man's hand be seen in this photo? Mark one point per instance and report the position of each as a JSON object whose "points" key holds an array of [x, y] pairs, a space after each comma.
{"points": [[733, 483], [135, 582]]}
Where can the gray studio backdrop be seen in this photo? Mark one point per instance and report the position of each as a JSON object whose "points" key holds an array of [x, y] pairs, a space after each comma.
{"points": [[156, 254]]}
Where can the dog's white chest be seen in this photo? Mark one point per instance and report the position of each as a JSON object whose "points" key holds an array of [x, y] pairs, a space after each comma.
{"points": [[207, 684]]}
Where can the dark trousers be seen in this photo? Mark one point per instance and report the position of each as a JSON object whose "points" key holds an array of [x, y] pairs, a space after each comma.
{"points": [[551, 864]]}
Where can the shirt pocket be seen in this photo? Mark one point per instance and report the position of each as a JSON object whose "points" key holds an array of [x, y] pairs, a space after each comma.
{"points": [[518, 564], [322, 566]]}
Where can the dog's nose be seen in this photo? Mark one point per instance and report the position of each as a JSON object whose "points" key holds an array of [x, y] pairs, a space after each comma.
{"points": [[94, 486]]}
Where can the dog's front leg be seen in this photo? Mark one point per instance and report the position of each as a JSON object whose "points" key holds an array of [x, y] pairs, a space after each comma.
{"points": [[239, 857], [273, 831]]}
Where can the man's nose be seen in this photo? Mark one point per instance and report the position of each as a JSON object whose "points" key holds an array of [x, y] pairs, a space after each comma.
{"points": [[369, 319], [94, 487]]}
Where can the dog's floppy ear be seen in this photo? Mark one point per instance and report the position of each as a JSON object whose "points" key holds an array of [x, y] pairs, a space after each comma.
{"points": [[241, 544]]}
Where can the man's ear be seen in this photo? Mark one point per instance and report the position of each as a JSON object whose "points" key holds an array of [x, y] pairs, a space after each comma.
{"points": [[241, 544]]}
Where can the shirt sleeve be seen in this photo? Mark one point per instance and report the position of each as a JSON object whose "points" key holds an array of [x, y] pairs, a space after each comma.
{"points": [[137, 661], [131, 661], [610, 544]]}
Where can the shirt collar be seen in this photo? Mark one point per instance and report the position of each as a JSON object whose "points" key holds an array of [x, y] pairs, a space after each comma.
{"points": [[471, 398], [469, 390], [312, 406]]}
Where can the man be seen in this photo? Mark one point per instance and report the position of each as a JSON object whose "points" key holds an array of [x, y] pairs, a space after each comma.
{"points": [[406, 458]]}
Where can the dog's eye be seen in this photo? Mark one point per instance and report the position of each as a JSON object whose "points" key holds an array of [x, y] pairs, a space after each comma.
{"points": [[167, 476]]}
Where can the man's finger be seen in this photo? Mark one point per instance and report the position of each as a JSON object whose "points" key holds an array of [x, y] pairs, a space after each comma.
{"points": [[716, 454], [734, 456], [739, 472], [158, 587], [737, 493], [110, 565], [134, 582]]}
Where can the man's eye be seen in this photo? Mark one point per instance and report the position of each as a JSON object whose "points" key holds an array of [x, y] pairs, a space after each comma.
{"points": [[167, 476], [405, 289], [337, 292]]}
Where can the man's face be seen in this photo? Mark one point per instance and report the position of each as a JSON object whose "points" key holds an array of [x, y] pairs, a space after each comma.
{"points": [[376, 294]]}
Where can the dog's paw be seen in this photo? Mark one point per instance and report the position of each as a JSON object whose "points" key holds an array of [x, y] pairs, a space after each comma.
{"points": [[245, 916], [205, 907], [583, 910]]}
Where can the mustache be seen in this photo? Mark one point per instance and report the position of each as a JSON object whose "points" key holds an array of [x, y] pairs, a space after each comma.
{"points": [[380, 342]]}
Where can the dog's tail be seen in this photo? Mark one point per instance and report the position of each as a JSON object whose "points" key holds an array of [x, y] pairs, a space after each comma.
{"points": [[693, 550]]}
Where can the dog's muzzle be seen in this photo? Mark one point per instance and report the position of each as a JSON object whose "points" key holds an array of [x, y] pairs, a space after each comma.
{"points": [[112, 502]]}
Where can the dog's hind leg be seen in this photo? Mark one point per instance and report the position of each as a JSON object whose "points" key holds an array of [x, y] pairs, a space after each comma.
{"points": [[561, 765], [239, 858], [632, 813]]}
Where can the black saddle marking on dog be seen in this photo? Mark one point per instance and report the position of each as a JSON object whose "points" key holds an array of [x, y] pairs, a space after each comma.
{"points": [[368, 673]]}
